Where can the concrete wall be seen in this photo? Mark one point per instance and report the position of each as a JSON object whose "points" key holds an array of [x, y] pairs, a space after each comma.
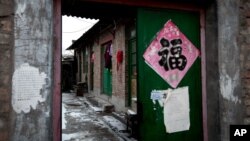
{"points": [[225, 102], [231, 100], [32, 74], [6, 48], [212, 73]]}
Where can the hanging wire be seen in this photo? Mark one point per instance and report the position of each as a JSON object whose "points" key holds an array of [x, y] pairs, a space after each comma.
{"points": [[84, 20], [85, 28]]}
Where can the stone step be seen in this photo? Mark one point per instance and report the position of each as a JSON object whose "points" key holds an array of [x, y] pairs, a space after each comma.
{"points": [[104, 105]]}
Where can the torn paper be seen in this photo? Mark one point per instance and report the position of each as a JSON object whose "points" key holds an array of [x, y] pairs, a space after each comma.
{"points": [[176, 110]]}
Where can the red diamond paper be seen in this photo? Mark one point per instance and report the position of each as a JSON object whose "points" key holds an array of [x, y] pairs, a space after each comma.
{"points": [[171, 54]]}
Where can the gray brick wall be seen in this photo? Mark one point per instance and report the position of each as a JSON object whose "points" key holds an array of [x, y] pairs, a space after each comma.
{"points": [[244, 41], [6, 46]]}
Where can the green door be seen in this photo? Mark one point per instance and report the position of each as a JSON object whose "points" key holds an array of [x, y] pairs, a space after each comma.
{"points": [[107, 82], [106, 72], [151, 122]]}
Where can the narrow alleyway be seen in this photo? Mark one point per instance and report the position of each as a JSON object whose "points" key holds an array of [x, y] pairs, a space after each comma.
{"points": [[82, 121]]}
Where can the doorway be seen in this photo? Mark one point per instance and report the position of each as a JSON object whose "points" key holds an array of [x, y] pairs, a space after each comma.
{"points": [[106, 68], [149, 22], [146, 121], [132, 65]]}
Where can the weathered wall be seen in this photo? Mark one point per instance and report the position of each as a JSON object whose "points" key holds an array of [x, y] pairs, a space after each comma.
{"points": [[33, 57], [230, 98], [212, 73], [32, 77], [244, 44], [118, 75], [6, 46], [97, 68], [227, 59]]}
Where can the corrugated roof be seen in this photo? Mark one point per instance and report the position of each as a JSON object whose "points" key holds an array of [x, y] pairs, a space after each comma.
{"points": [[108, 10], [89, 36]]}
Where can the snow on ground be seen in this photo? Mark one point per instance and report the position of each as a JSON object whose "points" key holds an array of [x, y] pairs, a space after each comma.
{"points": [[81, 122], [96, 109], [66, 137], [77, 114], [64, 122], [116, 124]]}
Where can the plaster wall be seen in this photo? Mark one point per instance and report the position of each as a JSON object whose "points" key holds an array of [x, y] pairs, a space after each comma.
{"points": [[212, 73], [32, 75], [230, 92], [226, 57]]}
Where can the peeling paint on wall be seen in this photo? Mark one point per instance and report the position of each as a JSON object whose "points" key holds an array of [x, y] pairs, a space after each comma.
{"points": [[27, 83], [32, 66], [227, 86]]}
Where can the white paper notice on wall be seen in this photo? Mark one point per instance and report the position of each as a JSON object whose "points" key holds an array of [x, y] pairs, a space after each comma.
{"points": [[176, 110], [27, 83]]}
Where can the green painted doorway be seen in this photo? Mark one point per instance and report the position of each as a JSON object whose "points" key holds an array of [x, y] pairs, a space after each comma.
{"points": [[151, 122], [107, 82], [106, 69]]}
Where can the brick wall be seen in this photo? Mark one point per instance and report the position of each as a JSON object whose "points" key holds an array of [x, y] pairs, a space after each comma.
{"points": [[6, 45], [118, 76], [97, 68], [244, 41], [119, 82]]}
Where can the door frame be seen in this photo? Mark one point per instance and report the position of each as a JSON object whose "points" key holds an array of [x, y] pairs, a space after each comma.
{"points": [[57, 41], [57, 44], [109, 89], [130, 69]]}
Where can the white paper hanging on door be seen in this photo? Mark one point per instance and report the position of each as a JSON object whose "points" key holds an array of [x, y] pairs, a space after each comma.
{"points": [[176, 110]]}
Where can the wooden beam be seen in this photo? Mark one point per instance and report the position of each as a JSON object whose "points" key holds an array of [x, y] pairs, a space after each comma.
{"points": [[149, 4], [57, 40]]}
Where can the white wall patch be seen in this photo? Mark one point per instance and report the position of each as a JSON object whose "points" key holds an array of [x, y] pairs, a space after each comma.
{"points": [[227, 86], [26, 85]]}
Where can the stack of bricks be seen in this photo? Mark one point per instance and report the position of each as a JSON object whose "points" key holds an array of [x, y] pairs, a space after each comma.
{"points": [[6, 45], [244, 42]]}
